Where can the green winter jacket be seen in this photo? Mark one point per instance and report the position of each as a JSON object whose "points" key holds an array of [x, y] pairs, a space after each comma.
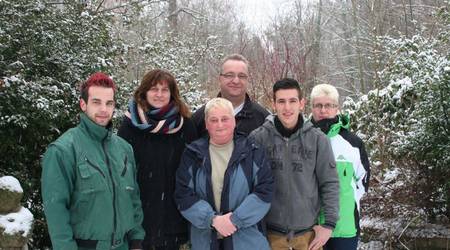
{"points": [[353, 169], [89, 190]]}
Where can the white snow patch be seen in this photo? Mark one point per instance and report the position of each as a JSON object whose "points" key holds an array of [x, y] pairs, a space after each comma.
{"points": [[377, 163], [19, 222], [405, 84], [13, 79], [391, 174], [410, 228], [10, 183]]}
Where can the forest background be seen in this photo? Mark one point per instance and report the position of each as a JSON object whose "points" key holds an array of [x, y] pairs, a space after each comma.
{"points": [[388, 58]]}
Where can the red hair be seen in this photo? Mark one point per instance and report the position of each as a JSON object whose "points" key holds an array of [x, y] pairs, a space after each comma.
{"points": [[97, 79]]}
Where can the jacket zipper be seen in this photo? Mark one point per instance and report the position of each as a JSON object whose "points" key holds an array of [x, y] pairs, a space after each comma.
{"points": [[95, 166], [114, 193], [290, 184]]}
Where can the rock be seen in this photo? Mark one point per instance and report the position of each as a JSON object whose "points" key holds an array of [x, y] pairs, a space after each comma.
{"points": [[15, 241], [15, 229], [10, 194]]}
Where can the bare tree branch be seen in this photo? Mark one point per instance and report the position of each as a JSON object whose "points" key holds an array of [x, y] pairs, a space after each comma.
{"points": [[195, 14], [124, 5]]}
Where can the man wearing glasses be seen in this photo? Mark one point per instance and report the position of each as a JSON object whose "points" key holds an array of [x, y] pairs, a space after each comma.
{"points": [[352, 164], [233, 82]]}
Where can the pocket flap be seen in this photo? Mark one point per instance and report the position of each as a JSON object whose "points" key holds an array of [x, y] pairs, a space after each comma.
{"points": [[85, 171]]}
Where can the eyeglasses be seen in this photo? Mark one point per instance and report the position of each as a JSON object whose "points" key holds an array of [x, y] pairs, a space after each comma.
{"points": [[231, 76], [327, 106]]}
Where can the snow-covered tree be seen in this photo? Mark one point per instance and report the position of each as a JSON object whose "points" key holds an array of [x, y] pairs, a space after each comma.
{"points": [[149, 42], [46, 49], [181, 55], [407, 121]]}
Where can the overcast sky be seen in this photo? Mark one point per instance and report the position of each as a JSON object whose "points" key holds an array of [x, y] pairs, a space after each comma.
{"points": [[258, 13]]}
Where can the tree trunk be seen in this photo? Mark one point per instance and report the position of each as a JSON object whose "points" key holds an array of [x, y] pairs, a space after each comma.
{"points": [[315, 57], [358, 47], [173, 16]]}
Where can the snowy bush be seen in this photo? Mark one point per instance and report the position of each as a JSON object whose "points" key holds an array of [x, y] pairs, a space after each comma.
{"points": [[406, 120]]}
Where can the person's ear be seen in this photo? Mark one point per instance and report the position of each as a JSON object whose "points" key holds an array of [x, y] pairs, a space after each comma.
{"points": [[83, 104], [302, 104]]}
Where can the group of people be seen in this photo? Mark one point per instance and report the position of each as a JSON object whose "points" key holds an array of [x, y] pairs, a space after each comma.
{"points": [[230, 177]]}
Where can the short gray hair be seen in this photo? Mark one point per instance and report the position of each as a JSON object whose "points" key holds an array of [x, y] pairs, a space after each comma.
{"points": [[218, 102], [325, 90], [234, 57]]}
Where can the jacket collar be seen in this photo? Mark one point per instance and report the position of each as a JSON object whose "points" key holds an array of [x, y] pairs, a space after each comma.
{"points": [[285, 131], [269, 124], [94, 130], [200, 147], [246, 111], [332, 126]]}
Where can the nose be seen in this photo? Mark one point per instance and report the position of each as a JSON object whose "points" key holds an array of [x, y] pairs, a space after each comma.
{"points": [[235, 79], [323, 109], [103, 107], [287, 105], [159, 93]]}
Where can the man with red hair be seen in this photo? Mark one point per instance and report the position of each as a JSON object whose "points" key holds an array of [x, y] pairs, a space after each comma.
{"points": [[91, 198]]}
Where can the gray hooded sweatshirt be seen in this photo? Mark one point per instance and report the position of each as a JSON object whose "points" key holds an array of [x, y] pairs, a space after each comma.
{"points": [[305, 175]]}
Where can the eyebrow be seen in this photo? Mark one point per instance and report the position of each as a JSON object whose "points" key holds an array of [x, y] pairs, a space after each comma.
{"points": [[287, 99], [98, 99]]}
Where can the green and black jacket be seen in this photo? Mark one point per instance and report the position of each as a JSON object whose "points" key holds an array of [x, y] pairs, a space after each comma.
{"points": [[353, 169]]}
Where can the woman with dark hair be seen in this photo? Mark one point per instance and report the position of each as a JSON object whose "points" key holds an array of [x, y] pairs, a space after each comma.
{"points": [[158, 126]]}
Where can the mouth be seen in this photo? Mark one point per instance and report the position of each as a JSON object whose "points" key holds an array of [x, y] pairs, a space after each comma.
{"points": [[222, 131], [234, 86]]}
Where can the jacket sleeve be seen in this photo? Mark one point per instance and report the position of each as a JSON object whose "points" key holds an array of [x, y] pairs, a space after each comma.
{"points": [[197, 211], [359, 176], [256, 136], [328, 181], [124, 130], [365, 163], [189, 131], [136, 235], [199, 121], [57, 184], [256, 205]]}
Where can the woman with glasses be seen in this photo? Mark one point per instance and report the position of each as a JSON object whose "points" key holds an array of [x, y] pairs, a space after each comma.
{"points": [[352, 165], [158, 126]]}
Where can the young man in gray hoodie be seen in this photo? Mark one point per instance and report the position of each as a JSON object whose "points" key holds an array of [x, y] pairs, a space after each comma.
{"points": [[305, 174]]}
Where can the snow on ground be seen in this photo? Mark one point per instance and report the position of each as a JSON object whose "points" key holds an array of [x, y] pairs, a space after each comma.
{"points": [[19, 222], [373, 245], [10, 183]]}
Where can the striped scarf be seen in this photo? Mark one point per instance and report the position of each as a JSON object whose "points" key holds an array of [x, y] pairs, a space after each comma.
{"points": [[164, 120]]}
